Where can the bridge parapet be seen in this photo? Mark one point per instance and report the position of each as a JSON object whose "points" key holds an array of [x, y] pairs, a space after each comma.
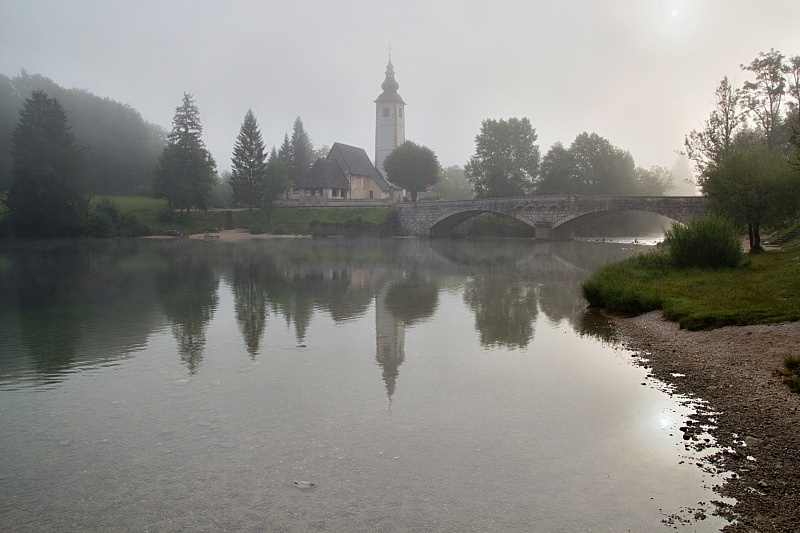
{"points": [[551, 216]]}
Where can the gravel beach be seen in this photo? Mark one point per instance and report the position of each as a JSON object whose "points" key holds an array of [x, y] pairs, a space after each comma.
{"points": [[756, 419]]}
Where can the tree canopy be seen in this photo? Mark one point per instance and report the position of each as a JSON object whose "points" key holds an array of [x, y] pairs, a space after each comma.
{"points": [[413, 167], [765, 107], [709, 144], [746, 148], [48, 196], [593, 165], [186, 170], [506, 159], [752, 185], [249, 164], [453, 185]]}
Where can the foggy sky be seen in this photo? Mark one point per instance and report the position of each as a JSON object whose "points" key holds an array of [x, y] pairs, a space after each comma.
{"points": [[641, 73]]}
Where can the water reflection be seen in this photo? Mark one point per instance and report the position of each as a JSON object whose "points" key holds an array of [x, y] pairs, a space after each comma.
{"points": [[187, 294], [277, 358], [69, 305], [251, 299], [61, 307]]}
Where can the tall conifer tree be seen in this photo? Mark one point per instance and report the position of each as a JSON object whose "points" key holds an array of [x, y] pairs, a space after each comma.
{"points": [[301, 154], [249, 164], [186, 170], [48, 197]]}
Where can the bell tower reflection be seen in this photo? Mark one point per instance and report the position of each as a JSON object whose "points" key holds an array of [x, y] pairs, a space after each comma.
{"points": [[389, 340], [400, 304]]}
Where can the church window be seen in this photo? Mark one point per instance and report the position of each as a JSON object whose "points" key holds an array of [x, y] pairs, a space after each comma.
{"points": [[385, 111], [401, 112]]}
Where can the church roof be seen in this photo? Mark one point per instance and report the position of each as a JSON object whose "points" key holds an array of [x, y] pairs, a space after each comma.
{"points": [[355, 161], [323, 174]]}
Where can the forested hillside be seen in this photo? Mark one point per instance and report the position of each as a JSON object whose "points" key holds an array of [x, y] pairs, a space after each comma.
{"points": [[122, 148]]}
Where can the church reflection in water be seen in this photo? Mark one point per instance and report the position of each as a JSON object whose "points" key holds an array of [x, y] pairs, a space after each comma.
{"points": [[389, 340]]}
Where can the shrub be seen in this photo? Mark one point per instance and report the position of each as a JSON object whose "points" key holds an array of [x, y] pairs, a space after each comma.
{"points": [[791, 373], [709, 242], [106, 220]]}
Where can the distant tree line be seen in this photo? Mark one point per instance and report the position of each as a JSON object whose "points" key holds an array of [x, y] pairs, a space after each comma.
{"points": [[507, 162], [121, 148]]}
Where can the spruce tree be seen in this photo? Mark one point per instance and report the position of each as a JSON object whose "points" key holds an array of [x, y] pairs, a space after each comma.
{"points": [[186, 170], [277, 180], [301, 155], [249, 164], [48, 197]]}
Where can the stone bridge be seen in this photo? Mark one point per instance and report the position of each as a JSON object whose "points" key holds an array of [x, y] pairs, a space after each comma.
{"points": [[552, 217]]}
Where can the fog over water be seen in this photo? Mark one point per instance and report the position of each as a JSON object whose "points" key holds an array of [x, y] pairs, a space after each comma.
{"points": [[640, 73]]}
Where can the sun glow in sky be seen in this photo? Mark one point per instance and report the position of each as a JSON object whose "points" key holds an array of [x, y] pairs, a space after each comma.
{"points": [[640, 73]]}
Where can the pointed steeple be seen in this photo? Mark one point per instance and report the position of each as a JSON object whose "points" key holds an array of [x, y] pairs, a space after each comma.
{"points": [[390, 84], [390, 122]]}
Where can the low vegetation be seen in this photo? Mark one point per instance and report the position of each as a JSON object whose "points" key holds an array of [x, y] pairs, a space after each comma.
{"points": [[791, 373], [763, 288], [159, 219]]}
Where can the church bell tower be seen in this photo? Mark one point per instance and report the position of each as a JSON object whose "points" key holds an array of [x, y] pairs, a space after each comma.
{"points": [[390, 120]]}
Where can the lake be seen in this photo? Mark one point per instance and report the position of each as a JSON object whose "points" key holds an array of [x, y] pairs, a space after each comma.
{"points": [[330, 385]]}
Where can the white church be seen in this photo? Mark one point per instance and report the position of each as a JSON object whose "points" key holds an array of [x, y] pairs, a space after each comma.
{"points": [[347, 172]]}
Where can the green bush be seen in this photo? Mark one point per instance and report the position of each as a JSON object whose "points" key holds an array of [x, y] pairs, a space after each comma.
{"points": [[709, 242], [106, 220]]}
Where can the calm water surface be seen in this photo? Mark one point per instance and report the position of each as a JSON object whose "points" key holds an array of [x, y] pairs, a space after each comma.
{"points": [[418, 385]]}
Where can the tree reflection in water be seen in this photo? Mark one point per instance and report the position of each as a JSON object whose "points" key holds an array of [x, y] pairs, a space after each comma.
{"points": [[187, 292], [76, 302]]}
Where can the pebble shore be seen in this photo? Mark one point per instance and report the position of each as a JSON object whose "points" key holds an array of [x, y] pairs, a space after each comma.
{"points": [[756, 419]]}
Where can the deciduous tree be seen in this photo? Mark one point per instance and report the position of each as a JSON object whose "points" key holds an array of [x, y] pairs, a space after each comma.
{"points": [[591, 165], [453, 184], [412, 167], [708, 145], [752, 185], [48, 197], [506, 159], [249, 164], [764, 97]]}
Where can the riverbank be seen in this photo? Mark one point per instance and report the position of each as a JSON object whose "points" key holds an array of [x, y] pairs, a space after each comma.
{"points": [[238, 235], [756, 419]]}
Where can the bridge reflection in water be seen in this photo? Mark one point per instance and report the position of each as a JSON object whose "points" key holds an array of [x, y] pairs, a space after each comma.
{"points": [[552, 217]]}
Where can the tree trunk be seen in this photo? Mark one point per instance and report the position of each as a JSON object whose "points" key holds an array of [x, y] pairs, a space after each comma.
{"points": [[757, 236]]}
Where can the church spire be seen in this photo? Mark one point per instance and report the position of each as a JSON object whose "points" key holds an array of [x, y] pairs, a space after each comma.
{"points": [[390, 85], [390, 121]]}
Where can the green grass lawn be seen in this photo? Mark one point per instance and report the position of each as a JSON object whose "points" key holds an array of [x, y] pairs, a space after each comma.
{"points": [[146, 209], [150, 213], [764, 289]]}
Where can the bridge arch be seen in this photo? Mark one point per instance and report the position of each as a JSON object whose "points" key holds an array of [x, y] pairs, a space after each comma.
{"points": [[445, 225], [552, 217]]}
